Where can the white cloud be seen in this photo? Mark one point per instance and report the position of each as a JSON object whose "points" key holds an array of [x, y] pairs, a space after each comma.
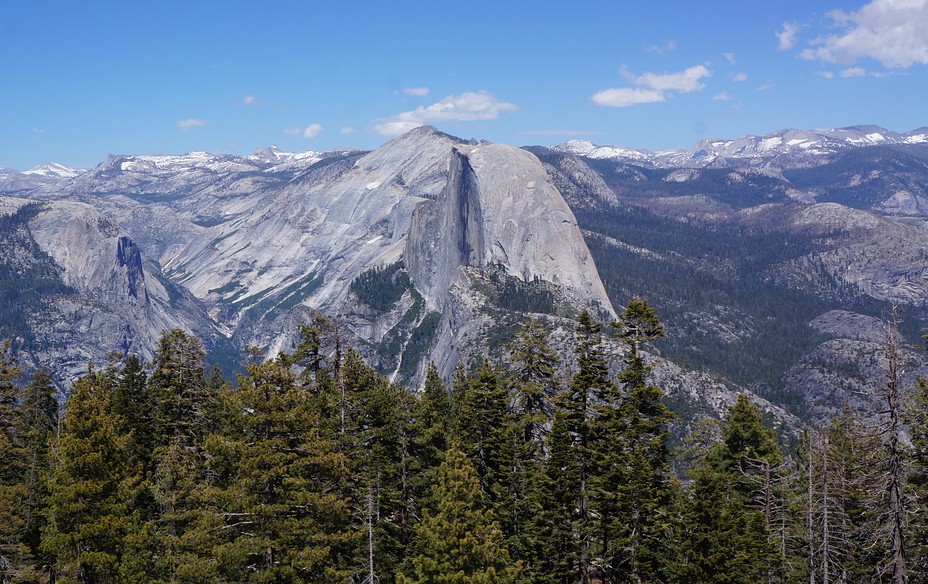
{"points": [[893, 32], [685, 81], [730, 57], [465, 107], [348, 130], [657, 87], [310, 131], [420, 91], [826, 74], [739, 77], [787, 35], [38, 130], [661, 49], [188, 124], [722, 96], [854, 72], [626, 96], [766, 86], [252, 100]]}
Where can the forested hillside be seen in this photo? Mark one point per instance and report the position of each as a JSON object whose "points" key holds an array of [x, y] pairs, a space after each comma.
{"points": [[312, 467]]}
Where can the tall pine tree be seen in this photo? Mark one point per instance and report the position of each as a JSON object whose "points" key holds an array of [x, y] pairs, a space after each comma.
{"points": [[458, 541]]}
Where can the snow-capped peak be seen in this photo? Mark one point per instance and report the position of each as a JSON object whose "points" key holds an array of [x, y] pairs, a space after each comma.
{"points": [[53, 170], [790, 145]]}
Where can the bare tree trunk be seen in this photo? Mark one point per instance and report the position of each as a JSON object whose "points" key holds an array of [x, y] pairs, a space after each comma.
{"points": [[895, 471], [810, 510], [371, 576], [826, 553]]}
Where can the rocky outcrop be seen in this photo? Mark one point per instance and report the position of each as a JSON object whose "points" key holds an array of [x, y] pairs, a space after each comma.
{"points": [[499, 208], [110, 300]]}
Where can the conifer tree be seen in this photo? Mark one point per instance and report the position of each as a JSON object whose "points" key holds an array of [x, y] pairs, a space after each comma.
{"points": [[589, 387], [375, 440], [532, 370], [277, 491], [485, 428], [432, 431], [893, 463], [635, 481], [178, 386], [88, 500], [15, 558], [37, 422], [534, 364], [458, 541], [720, 535], [549, 545]]}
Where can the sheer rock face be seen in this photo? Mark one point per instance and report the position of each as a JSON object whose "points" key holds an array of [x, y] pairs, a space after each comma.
{"points": [[499, 208]]}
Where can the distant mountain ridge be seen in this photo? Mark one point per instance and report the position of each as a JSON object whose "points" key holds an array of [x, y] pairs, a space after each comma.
{"points": [[789, 148]]}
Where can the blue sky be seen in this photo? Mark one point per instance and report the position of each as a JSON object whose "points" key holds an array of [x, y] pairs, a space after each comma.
{"points": [[81, 80]]}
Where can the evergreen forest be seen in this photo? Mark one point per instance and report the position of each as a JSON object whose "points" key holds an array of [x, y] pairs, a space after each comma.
{"points": [[313, 467]]}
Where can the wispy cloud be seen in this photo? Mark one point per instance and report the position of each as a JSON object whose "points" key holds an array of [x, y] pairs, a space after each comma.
{"points": [[252, 100], [38, 130], [892, 32], [465, 107], [766, 86], [739, 77], [787, 35], [420, 91], [310, 131], [730, 57], [854, 72], [685, 81], [656, 87], [189, 124], [348, 130], [722, 96], [661, 49], [826, 74]]}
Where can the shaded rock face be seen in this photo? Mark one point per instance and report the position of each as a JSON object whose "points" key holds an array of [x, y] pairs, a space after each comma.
{"points": [[499, 208]]}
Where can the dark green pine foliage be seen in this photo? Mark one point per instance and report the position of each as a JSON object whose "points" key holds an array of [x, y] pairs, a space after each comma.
{"points": [[720, 534], [549, 545], [635, 482], [745, 440], [458, 541], [376, 439], [534, 364], [485, 429], [172, 502], [532, 370], [15, 559], [716, 538], [37, 422], [277, 489], [918, 479], [432, 431], [179, 390], [589, 387], [134, 403], [89, 487]]}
